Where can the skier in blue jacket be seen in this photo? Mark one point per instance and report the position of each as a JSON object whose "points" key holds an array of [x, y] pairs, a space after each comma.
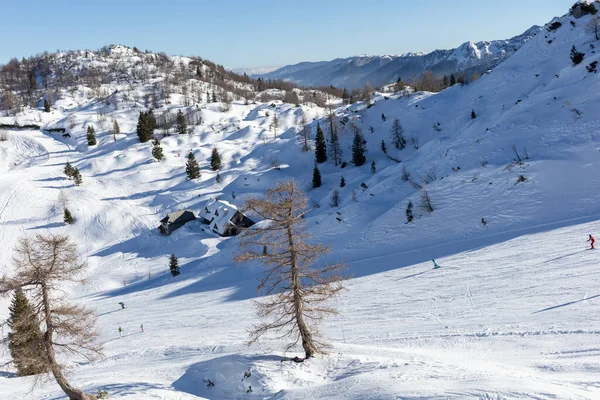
{"points": [[435, 264]]}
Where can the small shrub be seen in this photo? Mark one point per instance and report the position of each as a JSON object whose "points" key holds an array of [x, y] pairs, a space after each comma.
{"points": [[591, 68], [576, 56], [102, 394], [473, 115], [554, 26], [409, 212]]}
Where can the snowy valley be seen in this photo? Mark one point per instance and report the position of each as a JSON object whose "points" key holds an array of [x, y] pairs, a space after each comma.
{"points": [[508, 161]]}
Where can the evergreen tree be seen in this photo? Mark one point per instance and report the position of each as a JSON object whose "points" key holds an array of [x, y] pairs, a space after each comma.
{"points": [[181, 123], [91, 136], [383, 117], [46, 106], [214, 97], [445, 81], [409, 212], [398, 138], [157, 151], [215, 160], [373, 167], [146, 125], [452, 80], [320, 147], [191, 168], [342, 182], [77, 177], [174, 265], [68, 218], [68, 170], [218, 177], [383, 148], [473, 115], [358, 148], [316, 182], [25, 341]]}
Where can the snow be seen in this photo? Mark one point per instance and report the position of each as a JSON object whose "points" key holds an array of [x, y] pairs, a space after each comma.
{"points": [[513, 312]]}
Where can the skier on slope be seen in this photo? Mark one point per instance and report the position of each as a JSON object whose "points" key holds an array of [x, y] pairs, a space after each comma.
{"points": [[120, 333], [435, 264], [122, 305], [591, 239]]}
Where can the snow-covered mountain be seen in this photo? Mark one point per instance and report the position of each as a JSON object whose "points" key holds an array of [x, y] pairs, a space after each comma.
{"points": [[355, 72], [509, 162]]}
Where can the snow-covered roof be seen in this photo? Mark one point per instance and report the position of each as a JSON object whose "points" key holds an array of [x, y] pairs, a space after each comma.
{"points": [[218, 213]]}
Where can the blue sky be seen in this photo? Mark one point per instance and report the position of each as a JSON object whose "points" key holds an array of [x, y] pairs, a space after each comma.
{"points": [[244, 33]]}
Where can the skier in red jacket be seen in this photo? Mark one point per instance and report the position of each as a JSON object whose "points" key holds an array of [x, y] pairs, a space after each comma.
{"points": [[591, 239]]}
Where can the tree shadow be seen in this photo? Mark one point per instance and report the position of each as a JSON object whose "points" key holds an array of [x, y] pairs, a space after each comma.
{"points": [[121, 389], [6, 374], [567, 304], [47, 226], [55, 179]]}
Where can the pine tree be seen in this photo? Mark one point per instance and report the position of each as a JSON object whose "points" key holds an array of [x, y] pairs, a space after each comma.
{"points": [[46, 105], [452, 80], [77, 177], [25, 341], [91, 136], [342, 182], [358, 148], [320, 147], [335, 148], [68, 170], [68, 218], [409, 212], [473, 115], [383, 148], [181, 127], [191, 168], [146, 125], [373, 167], [157, 151], [398, 138], [316, 182], [174, 266], [215, 160], [383, 117]]}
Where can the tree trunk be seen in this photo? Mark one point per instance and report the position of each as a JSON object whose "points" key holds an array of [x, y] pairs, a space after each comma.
{"points": [[307, 342], [73, 393]]}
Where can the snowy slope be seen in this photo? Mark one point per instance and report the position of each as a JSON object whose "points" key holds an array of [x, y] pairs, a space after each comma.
{"points": [[513, 313], [355, 72]]}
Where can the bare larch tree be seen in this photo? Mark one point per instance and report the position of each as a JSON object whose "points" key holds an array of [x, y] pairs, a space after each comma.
{"points": [[42, 265], [297, 289]]}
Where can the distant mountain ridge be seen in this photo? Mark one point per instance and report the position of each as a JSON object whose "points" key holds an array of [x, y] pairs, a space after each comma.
{"points": [[355, 72]]}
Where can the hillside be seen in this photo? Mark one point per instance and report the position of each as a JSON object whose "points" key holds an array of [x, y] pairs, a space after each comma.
{"points": [[355, 72], [512, 313]]}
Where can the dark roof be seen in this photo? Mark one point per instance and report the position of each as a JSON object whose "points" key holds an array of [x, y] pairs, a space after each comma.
{"points": [[179, 216]]}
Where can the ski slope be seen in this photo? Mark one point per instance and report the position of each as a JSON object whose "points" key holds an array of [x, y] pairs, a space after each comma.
{"points": [[512, 313]]}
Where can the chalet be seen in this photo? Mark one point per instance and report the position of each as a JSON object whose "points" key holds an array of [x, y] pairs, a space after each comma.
{"points": [[224, 218], [175, 221]]}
